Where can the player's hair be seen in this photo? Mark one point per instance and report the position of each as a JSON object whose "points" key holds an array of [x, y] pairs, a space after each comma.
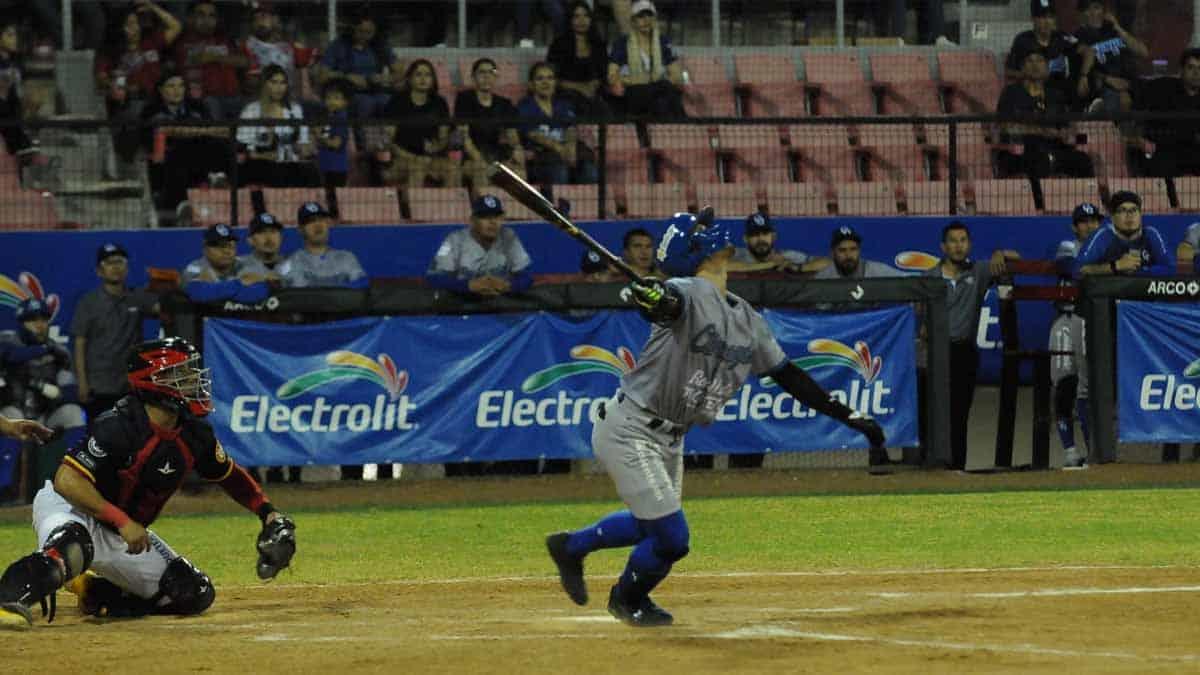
{"points": [[955, 225], [636, 232], [1189, 53]]}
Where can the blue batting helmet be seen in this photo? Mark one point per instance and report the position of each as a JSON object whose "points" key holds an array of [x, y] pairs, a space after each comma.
{"points": [[685, 245], [32, 308]]}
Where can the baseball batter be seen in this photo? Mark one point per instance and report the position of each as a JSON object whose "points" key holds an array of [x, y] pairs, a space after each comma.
{"points": [[92, 521], [704, 344]]}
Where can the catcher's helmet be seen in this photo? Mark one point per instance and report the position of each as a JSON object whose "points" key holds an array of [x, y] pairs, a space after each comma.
{"points": [[168, 372], [689, 241]]}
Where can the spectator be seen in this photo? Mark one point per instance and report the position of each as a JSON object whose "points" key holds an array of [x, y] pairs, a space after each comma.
{"points": [[191, 154], [643, 65], [557, 157], [1186, 251], [1124, 246], [1174, 146], [317, 264], [968, 284], [419, 147], [760, 254], [364, 60], [219, 275], [279, 156], [637, 250], [16, 141], [266, 46], [1047, 151], [486, 141], [524, 12], [1064, 55], [210, 61], [581, 61], [1110, 75], [38, 383], [107, 323], [846, 251], [333, 141], [595, 270], [266, 238], [486, 258], [130, 65]]}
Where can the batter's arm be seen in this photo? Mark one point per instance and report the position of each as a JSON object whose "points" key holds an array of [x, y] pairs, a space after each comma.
{"points": [[804, 389], [76, 488]]}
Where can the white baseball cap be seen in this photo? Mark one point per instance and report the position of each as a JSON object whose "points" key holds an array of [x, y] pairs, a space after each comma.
{"points": [[643, 6]]}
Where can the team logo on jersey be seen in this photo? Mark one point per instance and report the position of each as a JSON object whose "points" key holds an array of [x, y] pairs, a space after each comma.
{"points": [[95, 449], [831, 353], [915, 261], [344, 365], [588, 359], [27, 286], [220, 454], [166, 469]]}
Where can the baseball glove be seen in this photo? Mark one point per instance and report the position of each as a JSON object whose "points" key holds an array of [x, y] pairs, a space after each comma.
{"points": [[276, 546]]}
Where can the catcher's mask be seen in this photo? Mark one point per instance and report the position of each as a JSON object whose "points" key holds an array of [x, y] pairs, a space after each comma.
{"points": [[168, 372]]}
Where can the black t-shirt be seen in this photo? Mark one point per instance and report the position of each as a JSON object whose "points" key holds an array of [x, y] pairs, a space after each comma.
{"points": [[1062, 53], [485, 133], [1167, 94], [424, 120], [570, 67], [1112, 54], [137, 467], [1016, 102]]}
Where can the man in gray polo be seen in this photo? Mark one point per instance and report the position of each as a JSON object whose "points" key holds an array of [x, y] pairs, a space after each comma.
{"points": [[485, 259], [968, 283], [107, 323], [846, 250]]}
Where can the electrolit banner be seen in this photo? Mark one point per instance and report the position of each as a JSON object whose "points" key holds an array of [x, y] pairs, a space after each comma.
{"points": [[521, 386], [1158, 372]]}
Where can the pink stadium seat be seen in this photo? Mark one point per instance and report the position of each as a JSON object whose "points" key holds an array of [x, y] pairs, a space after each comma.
{"points": [[970, 80], [283, 203], [974, 151], [681, 136], [844, 99], [897, 163], [706, 70], [1105, 146], [709, 100], [627, 166], [688, 165], [731, 200], [911, 99], [212, 206], [619, 136], [513, 92], [584, 201], [731, 136], [828, 67], [1187, 189], [1152, 190], [769, 85], [10, 171], [870, 135], [797, 199], [654, 201], [927, 199], [836, 135], [438, 205], [900, 67], [1003, 197], [757, 69], [827, 164], [1062, 195], [758, 165], [369, 205], [866, 199], [27, 210]]}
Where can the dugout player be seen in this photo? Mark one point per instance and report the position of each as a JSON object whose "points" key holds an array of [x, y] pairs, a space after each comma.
{"points": [[1124, 245], [1186, 251], [219, 275], [317, 264], [704, 343], [1068, 368], [92, 521]]}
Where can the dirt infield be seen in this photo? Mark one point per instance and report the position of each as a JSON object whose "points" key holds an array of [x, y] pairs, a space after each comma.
{"points": [[1033, 620]]}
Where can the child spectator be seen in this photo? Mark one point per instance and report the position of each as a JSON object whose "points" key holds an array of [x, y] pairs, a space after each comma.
{"points": [[278, 156], [365, 61], [419, 146], [551, 133], [485, 141], [333, 141]]}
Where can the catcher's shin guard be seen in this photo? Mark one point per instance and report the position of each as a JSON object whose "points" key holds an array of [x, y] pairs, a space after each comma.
{"points": [[25, 583], [189, 590]]}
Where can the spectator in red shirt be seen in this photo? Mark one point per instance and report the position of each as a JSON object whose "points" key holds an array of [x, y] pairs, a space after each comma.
{"points": [[208, 58], [266, 46]]}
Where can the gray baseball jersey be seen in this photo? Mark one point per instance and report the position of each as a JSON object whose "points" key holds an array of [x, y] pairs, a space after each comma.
{"points": [[686, 372], [335, 267], [866, 269], [743, 255], [460, 255], [1068, 334], [202, 270], [251, 264]]}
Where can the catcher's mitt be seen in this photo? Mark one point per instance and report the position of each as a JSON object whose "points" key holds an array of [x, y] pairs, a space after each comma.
{"points": [[276, 546]]}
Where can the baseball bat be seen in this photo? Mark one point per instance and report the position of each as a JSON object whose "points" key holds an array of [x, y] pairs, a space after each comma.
{"points": [[529, 196]]}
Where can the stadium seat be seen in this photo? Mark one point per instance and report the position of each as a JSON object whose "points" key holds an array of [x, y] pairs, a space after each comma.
{"points": [[688, 165], [836, 135], [709, 100], [866, 199], [654, 201], [926, 198], [212, 206], [27, 210], [731, 200], [627, 166], [797, 199], [1003, 197], [831, 67], [585, 201], [730, 136], [283, 203], [706, 70], [769, 87], [754, 153], [900, 67], [905, 84], [1187, 189], [368, 205], [970, 80], [974, 150], [438, 205], [1062, 195], [757, 69], [681, 136], [1103, 143], [843, 99], [896, 163], [617, 136], [1152, 190], [827, 164]]}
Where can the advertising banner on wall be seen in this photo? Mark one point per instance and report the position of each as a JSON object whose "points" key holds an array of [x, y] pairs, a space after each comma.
{"points": [[1158, 372]]}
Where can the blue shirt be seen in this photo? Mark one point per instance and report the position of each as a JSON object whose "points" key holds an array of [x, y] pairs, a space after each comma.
{"points": [[344, 58], [331, 160], [552, 126], [1106, 246]]}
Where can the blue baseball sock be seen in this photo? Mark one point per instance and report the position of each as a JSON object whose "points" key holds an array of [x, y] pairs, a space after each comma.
{"points": [[1066, 432], [615, 530], [1081, 410], [666, 542]]}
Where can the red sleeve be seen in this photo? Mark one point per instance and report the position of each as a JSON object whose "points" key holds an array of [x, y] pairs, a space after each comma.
{"points": [[242, 488]]}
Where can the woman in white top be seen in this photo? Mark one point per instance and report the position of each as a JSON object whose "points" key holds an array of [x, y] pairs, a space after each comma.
{"points": [[279, 156]]}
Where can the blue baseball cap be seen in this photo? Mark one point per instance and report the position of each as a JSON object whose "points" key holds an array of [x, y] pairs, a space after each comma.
{"points": [[592, 263], [487, 205], [110, 250], [844, 233], [309, 211], [264, 221], [218, 234], [1084, 211], [757, 223]]}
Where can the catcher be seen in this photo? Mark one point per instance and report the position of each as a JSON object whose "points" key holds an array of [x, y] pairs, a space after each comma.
{"points": [[92, 520]]}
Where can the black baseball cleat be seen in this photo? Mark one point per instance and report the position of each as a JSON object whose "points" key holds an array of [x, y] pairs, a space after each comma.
{"points": [[878, 462], [570, 567], [645, 614], [15, 616]]}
